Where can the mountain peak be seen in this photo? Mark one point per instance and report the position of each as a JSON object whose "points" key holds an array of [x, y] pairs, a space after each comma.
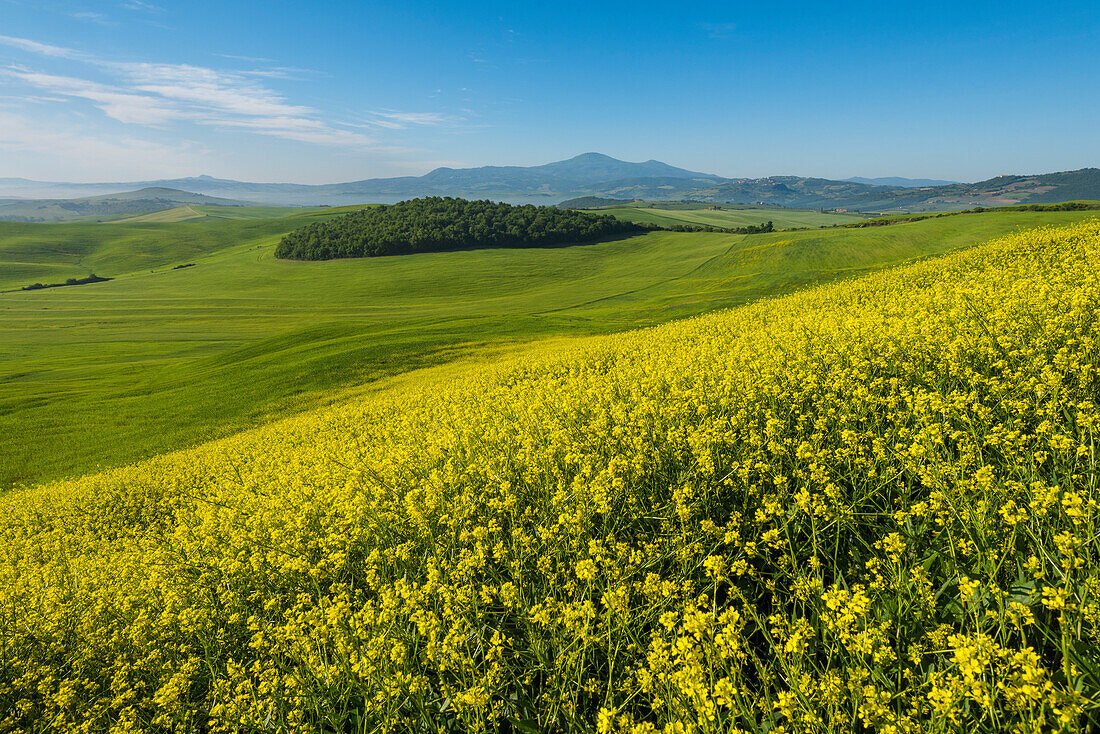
{"points": [[593, 156], [591, 167]]}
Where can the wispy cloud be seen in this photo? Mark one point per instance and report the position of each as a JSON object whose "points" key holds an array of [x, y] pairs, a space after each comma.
{"points": [[90, 17], [253, 59], [203, 88], [140, 5], [397, 120], [114, 102], [43, 49], [158, 94]]}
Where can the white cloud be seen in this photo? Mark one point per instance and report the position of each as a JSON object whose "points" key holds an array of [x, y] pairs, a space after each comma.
{"points": [[402, 119], [299, 129], [156, 94], [44, 49], [91, 17], [253, 59], [206, 88], [115, 103], [144, 6], [72, 154]]}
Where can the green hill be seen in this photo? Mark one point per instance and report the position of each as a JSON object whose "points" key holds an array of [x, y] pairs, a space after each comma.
{"points": [[145, 200], [53, 252], [159, 358], [729, 216], [592, 202]]}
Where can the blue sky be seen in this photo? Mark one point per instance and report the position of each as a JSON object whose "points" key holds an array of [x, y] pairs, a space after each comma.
{"points": [[333, 91]]}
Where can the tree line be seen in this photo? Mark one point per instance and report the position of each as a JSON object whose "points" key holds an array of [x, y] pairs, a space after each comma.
{"points": [[438, 224], [93, 278]]}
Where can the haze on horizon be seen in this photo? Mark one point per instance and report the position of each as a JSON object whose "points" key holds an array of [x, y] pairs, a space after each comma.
{"points": [[123, 90]]}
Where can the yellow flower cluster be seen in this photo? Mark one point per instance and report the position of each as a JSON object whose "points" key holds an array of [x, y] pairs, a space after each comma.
{"points": [[870, 505]]}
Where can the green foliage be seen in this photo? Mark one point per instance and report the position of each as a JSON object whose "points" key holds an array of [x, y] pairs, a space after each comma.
{"points": [[441, 224], [93, 278], [53, 252], [110, 205]]}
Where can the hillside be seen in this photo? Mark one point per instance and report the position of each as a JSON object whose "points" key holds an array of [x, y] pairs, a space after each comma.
{"points": [[592, 202], [865, 506], [144, 200], [899, 182], [160, 358], [55, 252], [731, 216], [595, 174], [814, 193], [545, 183]]}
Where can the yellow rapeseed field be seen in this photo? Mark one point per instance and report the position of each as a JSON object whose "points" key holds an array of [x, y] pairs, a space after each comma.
{"points": [[867, 506]]}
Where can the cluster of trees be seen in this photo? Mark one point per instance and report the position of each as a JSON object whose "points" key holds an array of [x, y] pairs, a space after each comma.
{"points": [[1065, 206], [764, 228], [755, 228], [93, 278], [437, 224]]}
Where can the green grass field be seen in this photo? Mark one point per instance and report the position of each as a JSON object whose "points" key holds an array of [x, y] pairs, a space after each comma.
{"points": [[727, 217], [163, 358], [53, 252]]}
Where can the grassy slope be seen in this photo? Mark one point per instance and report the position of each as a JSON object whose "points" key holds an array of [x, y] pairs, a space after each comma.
{"points": [[728, 217], [157, 360], [111, 372], [178, 214], [54, 252], [757, 266], [210, 212]]}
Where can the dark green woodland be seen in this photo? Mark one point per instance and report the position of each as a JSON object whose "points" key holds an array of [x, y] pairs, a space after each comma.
{"points": [[439, 224]]}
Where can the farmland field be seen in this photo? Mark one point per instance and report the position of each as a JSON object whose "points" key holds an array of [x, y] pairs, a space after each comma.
{"points": [[868, 505], [161, 358], [730, 217]]}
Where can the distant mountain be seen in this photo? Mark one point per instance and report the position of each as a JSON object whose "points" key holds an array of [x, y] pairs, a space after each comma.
{"points": [[817, 193], [584, 174], [108, 205], [897, 182], [595, 174]]}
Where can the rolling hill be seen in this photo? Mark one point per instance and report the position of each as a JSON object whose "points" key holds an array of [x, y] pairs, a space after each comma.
{"points": [[164, 356], [817, 193], [546, 183], [728, 217], [142, 201], [598, 175], [867, 506], [899, 182]]}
